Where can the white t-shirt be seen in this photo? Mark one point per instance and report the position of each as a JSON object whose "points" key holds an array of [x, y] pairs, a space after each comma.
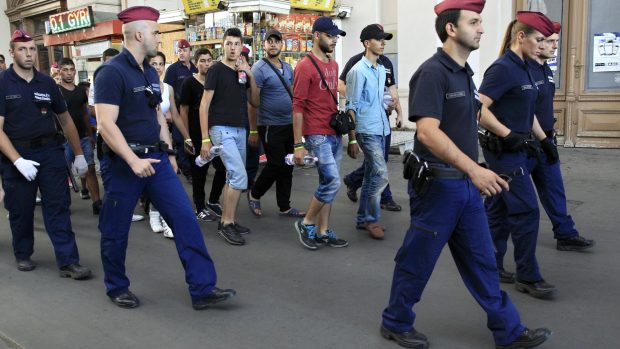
{"points": [[165, 99]]}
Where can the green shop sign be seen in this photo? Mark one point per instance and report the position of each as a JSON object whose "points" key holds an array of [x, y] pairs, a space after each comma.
{"points": [[71, 20]]}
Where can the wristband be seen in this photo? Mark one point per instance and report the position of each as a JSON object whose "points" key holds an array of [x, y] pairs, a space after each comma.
{"points": [[299, 147], [206, 140], [254, 132], [188, 140], [296, 145], [352, 142]]}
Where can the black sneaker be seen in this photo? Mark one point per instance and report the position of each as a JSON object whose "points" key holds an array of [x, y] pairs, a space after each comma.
{"points": [[539, 289], [25, 264], [528, 339], [391, 206], [412, 339], [97, 207], [241, 229], [307, 237], [216, 208], [506, 277], [230, 234], [351, 190], [84, 194], [330, 239], [576, 243], [216, 296], [205, 216]]}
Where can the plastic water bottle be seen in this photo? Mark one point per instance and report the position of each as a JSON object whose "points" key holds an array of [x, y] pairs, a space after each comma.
{"points": [[309, 160], [387, 99], [214, 152], [243, 77]]}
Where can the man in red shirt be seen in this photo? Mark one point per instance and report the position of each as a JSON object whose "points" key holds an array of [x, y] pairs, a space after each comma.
{"points": [[314, 103]]}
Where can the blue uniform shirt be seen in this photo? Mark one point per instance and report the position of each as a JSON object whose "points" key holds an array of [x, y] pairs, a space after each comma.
{"points": [[444, 90], [28, 107], [121, 82], [175, 74], [543, 78], [276, 106], [365, 84], [510, 85]]}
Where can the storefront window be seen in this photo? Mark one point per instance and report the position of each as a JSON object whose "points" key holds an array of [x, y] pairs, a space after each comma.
{"points": [[43, 57], [603, 46]]}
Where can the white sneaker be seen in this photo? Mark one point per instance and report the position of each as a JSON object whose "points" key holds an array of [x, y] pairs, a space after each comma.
{"points": [[137, 218], [167, 230], [155, 220]]}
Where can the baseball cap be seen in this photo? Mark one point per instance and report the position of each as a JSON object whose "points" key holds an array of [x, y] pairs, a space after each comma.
{"points": [[374, 31], [273, 32], [327, 25]]}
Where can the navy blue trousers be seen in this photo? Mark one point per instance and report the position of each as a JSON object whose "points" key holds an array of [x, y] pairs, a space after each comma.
{"points": [[452, 213], [550, 187], [20, 198], [515, 213], [356, 178], [122, 190]]}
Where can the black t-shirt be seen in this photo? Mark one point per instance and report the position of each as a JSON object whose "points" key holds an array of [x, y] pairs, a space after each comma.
{"points": [[383, 60], [229, 102], [444, 90], [76, 100], [191, 95]]}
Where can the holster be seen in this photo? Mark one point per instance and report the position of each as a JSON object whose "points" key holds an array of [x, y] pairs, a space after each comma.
{"points": [[490, 142], [418, 172]]}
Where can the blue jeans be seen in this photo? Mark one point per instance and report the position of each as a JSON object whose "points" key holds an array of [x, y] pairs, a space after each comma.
{"points": [[233, 153], [87, 148], [356, 178], [328, 149], [375, 177]]}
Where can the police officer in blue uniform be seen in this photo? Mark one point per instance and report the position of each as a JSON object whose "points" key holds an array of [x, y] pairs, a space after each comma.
{"points": [[508, 94], [138, 158], [33, 158], [546, 174], [445, 187]]}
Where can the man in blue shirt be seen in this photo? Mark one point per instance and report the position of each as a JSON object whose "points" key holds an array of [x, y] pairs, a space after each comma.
{"points": [[274, 79], [365, 83], [137, 159], [446, 207], [32, 158]]}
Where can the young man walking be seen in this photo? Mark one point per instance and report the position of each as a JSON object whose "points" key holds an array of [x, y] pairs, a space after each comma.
{"points": [[314, 104], [274, 79], [77, 105], [365, 84], [223, 119]]}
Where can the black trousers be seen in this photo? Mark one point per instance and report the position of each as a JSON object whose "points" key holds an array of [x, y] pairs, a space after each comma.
{"points": [[277, 142], [199, 179]]}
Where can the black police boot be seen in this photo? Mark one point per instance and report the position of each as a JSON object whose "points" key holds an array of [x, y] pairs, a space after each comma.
{"points": [[126, 300], [539, 289], [506, 277], [576, 243], [25, 264], [528, 339], [216, 296], [391, 205], [412, 339], [75, 271]]}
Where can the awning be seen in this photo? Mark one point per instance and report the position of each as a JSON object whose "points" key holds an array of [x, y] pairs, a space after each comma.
{"points": [[100, 30], [273, 6]]}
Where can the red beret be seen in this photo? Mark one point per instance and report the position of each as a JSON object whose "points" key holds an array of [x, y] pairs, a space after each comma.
{"points": [[469, 5], [537, 21], [138, 13], [20, 36], [557, 26], [184, 43]]}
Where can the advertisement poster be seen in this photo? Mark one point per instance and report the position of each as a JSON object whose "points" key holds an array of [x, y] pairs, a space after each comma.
{"points": [[319, 5], [606, 53], [199, 6]]}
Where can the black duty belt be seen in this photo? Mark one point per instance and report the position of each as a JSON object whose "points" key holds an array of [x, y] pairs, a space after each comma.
{"points": [[143, 149], [39, 142], [550, 134], [446, 172]]}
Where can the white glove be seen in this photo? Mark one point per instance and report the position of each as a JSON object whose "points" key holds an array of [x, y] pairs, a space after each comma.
{"points": [[80, 165], [27, 168]]}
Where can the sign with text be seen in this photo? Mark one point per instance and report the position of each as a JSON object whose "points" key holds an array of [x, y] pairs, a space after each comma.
{"points": [[320, 5], [199, 6], [71, 20]]}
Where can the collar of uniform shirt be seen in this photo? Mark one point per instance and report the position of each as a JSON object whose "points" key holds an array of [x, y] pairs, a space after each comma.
{"points": [[451, 64], [13, 75], [132, 61], [514, 57]]}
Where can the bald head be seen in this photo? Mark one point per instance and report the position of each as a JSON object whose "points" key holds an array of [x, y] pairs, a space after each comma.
{"points": [[130, 30]]}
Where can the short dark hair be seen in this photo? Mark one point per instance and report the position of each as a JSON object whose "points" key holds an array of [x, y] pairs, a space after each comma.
{"points": [[162, 55], [448, 16], [2, 56], [235, 32], [110, 52], [65, 61], [201, 51]]}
